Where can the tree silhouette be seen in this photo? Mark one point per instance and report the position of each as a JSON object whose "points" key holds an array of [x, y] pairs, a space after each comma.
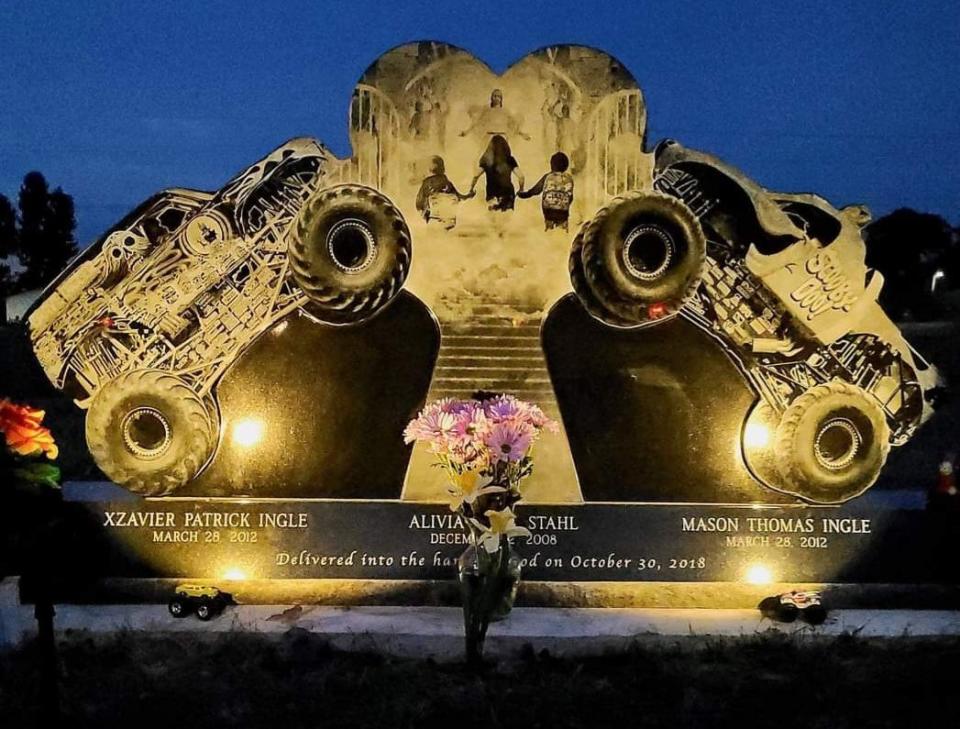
{"points": [[45, 241], [908, 247], [8, 244], [8, 228], [40, 236]]}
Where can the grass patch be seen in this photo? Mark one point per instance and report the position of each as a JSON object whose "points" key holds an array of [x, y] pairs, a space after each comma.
{"points": [[296, 680]]}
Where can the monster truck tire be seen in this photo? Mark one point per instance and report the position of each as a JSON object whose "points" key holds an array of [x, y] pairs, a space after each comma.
{"points": [[148, 431], [585, 293], [642, 255], [815, 615], [831, 443], [179, 606], [207, 609], [349, 252], [787, 613]]}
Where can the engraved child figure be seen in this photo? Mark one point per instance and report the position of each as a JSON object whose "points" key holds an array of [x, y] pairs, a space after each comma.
{"points": [[499, 167], [556, 191], [438, 197]]}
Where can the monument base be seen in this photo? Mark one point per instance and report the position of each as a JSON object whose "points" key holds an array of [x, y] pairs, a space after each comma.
{"points": [[437, 632], [884, 550]]}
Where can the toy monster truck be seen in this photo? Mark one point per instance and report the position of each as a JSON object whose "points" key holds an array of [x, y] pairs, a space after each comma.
{"points": [[141, 326], [780, 281], [788, 606], [206, 602]]}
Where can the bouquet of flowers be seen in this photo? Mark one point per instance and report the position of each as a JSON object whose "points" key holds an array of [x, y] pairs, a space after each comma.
{"points": [[26, 438], [484, 446], [27, 483]]}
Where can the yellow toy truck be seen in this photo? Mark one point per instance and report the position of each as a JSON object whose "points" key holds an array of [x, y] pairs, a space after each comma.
{"points": [[203, 600]]}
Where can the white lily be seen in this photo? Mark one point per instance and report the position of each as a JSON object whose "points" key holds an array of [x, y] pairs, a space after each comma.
{"points": [[502, 523]]}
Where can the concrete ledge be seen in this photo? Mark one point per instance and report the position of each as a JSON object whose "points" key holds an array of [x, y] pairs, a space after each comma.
{"points": [[437, 632], [349, 592], [16, 620]]}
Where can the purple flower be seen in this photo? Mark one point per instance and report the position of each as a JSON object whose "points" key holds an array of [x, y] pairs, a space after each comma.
{"points": [[509, 441], [503, 408], [507, 408], [454, 406], [479, 433]]}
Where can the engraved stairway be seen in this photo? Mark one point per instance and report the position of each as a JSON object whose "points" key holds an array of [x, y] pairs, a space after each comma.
{"points": [[496, 347]]}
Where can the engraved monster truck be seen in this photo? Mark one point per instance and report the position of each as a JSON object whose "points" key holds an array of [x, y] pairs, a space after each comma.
{"points": [[141, 326], [780, 281]]}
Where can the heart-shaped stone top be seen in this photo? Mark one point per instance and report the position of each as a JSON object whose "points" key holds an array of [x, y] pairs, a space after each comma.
{"points": [[431, 108]]}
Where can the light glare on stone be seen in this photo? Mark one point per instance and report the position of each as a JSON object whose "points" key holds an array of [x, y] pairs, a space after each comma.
{"points": [[758, 574], [248, 432], [756, 435]]}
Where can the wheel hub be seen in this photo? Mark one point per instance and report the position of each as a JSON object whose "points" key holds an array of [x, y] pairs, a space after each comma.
{"points": [[146, 432], [837, 444], [352, 245], [648, 251]]}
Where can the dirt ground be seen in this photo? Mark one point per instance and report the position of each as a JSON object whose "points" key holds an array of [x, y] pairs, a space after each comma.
{"points": [[249, 680]]}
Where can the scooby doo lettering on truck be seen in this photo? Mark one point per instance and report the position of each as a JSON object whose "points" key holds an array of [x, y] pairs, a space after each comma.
{"points": [[826, 289]]}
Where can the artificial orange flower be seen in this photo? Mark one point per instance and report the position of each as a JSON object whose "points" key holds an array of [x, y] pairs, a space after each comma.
{"points": [[25, 435]]}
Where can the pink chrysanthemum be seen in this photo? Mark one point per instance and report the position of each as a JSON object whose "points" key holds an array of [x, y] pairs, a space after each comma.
{"points": [[471, 424], [433, 425], [509, 441], [538, 419]]}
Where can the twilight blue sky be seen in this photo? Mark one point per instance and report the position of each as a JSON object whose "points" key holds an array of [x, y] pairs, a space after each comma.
{"points": [[858, 101]]}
